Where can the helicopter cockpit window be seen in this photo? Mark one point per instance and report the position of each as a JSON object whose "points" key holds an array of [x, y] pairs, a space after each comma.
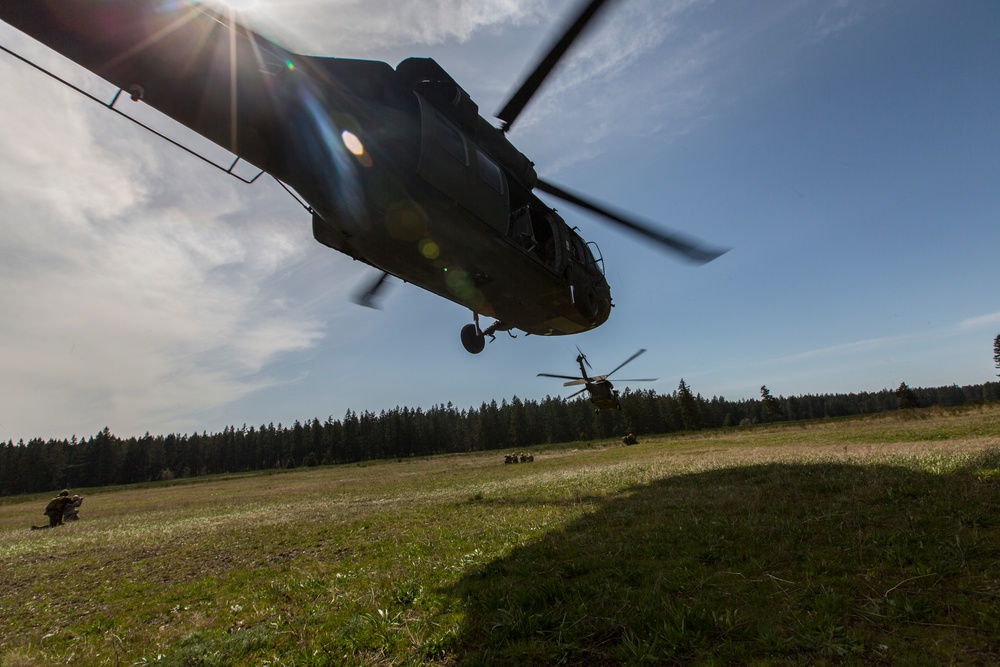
{"points": [[489, 172], [451, 139], [596, 255]]}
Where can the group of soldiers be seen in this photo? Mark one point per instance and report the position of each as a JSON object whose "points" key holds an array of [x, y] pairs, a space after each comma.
{"points": [[629, 439], [61, 509]]}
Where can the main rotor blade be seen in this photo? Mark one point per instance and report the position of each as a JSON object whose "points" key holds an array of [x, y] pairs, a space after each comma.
{"points": [[577, 393], [573, 383], [625, 362], [637, 380], [687, 249], [561, 377], [523, 95]]}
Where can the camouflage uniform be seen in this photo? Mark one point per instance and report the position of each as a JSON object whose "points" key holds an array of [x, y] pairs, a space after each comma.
{"points": [[54, 510], [72, 511]]}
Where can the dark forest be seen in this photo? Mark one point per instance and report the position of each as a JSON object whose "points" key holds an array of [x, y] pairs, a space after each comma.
{"points": [[105, 459]]}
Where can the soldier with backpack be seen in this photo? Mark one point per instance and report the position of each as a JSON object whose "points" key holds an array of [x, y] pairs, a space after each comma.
{"points": [[54, 510]]}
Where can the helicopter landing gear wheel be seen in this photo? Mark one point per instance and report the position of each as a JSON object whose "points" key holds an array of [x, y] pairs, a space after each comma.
{"points": [[473, 339]]}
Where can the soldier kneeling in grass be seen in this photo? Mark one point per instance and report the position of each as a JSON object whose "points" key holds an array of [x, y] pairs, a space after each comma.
{"points": [[72, 511], [54, 510]]}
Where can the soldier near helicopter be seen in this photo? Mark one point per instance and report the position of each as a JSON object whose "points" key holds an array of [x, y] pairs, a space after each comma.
{"points": [[56, 508]]}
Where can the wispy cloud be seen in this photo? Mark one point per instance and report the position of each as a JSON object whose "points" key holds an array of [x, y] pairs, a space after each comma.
{"points": [[352, 26], [659, 65], [844, 350], [642, 67], [841, 15], [124, 305], [979, 322]]}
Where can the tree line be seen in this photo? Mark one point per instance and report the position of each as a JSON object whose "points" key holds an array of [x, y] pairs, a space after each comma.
{"points": [[105, 459]]}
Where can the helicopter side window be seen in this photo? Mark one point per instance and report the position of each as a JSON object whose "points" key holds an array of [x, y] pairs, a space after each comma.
{"points": [[546, 248], [533, 231], [489, 172], [573, 248], [451, 139], [580, 251], [520, 228]]}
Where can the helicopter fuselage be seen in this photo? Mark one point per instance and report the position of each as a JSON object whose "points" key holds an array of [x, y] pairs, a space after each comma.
{"points": [[396, 165], [603, 395]]}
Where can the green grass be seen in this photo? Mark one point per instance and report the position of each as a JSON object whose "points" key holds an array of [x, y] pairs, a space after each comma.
{"points": [[865, 541]]}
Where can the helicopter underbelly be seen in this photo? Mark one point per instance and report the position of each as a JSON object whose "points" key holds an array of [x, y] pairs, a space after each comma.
{"points": [[441, 219], [459, 257]]}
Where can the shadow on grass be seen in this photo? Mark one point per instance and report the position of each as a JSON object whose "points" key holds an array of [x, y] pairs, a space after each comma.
{"points": [[771, 564]]}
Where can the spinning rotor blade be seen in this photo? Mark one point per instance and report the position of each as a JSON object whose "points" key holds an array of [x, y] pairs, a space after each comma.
{"points": [[637, 380], [561, 377], [625, 362], [573, 383], [577, 393], [687, 249], [523, 95], [366, 298], [584, 357], [575, 379]]}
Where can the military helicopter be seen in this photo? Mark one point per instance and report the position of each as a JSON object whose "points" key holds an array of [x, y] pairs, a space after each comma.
{"points": [[602, 393], [396, 166]]}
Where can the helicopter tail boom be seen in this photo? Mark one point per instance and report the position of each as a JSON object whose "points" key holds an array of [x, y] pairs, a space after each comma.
{"points": [[177, 61]]}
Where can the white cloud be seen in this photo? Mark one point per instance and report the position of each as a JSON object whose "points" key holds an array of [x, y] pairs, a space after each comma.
{"points": [[136, 282]]}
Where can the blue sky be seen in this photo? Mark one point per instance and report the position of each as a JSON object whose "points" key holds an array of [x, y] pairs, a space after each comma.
{"points": [[847, 152]]}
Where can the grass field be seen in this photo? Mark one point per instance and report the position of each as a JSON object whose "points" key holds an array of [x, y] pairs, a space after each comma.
{"points": [[865, 541]]}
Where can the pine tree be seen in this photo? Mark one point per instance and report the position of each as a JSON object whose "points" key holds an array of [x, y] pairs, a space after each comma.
{"points": [[771, 405], [690, 418], [907, 399], [996, 352], [518, 424]]}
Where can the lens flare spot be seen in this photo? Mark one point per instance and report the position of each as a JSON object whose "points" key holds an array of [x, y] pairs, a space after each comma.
{"points": [[461, 285], [353, 143], [338, 169], [356, 148], [429, 249], [406, 220]]}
